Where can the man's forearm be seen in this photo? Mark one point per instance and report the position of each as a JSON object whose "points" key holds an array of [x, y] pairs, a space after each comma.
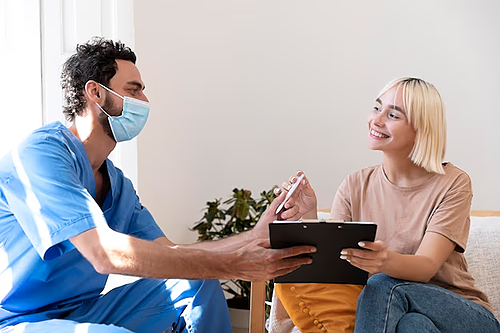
{"points": [[226, 244], [122, 254], [245, 256]]}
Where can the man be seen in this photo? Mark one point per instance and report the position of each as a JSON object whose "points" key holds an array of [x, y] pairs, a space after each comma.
{"points": [[68, 218]]}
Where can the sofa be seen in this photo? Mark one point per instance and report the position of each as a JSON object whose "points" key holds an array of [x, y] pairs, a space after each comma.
{"points": [[482, 255]]}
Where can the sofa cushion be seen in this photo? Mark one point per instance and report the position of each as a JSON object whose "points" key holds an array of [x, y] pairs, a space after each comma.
{"points": [[318, 307], [483, 257]]}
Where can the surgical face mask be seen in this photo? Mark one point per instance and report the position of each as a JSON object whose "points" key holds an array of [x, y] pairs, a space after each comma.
{"points": [[132, 120]]}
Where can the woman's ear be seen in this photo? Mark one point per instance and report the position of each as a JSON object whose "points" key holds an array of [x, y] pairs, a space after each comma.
{"points": [[93, 91]]}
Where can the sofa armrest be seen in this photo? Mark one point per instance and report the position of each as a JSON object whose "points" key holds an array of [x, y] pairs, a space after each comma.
{"points": [[483, 256], [257, 307]]}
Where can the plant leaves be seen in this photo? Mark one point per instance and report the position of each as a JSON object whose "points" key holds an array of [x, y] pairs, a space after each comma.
{"points": [[221, 219]]}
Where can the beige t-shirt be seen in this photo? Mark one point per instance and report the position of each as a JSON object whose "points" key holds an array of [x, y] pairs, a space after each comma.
{"points": [[405, 214]]}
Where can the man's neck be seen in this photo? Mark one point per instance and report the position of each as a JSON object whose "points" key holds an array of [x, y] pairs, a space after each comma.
{"points": [[98, 145]]}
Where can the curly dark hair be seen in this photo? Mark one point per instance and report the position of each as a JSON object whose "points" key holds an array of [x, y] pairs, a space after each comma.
{"points": [[94, 60]]}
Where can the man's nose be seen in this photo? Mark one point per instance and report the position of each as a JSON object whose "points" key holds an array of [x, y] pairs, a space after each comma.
{"points": [[144, 98]]}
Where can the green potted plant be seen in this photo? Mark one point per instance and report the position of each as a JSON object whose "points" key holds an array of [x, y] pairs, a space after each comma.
{"points": [[225, 218]]}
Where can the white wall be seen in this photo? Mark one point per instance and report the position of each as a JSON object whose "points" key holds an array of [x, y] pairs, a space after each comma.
{"points": [[244, 93], [36, 38], [20, 71], [65, 24]]}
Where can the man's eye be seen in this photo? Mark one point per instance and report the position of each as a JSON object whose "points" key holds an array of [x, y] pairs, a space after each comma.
{"points": [[376, 109]]}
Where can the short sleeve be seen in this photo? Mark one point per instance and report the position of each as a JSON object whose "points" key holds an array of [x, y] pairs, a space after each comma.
{"points": [[127, 214], [451, 217], [143, 224], [46, 196], [341, 206]]}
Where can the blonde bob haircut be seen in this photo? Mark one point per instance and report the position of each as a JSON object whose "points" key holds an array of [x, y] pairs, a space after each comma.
{"points": [[425, 112]]}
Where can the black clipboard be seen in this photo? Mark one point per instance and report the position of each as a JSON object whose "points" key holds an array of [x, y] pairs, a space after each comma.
{"points": [[329, 238]]}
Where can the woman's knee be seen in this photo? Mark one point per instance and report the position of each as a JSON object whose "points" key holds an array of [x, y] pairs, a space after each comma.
{"points": [[415, 322], [381, 278], [381, 283], [380, 288]]}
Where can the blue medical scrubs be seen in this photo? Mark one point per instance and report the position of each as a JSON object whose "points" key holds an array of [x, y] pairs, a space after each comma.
{"points": [[47, 191]]}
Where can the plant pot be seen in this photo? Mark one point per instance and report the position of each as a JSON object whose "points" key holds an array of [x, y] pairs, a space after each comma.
{"points": [[239, 320]]}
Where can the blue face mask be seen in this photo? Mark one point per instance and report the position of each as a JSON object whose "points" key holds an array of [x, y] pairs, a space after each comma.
{"points": [[132, 120]]}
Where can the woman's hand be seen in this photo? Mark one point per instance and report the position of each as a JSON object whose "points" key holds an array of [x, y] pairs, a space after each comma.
{"points": [[373, 258], [261, 229], [303, 199]]}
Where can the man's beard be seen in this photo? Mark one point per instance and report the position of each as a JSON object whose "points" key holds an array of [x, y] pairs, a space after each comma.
{"points": [[112, 110]]}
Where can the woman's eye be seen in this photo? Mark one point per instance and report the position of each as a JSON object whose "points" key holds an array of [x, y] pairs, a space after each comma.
{"points": [[376, 109], [393, 116]]}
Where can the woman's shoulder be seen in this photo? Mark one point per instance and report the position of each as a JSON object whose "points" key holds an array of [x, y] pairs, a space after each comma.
{"points": [[365, 174], [455, 174], [450, 168]]}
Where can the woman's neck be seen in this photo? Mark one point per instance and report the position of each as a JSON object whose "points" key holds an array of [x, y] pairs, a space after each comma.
{"points": [[403, 172]]}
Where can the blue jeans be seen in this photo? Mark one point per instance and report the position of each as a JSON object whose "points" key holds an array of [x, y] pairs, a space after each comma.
{"points": [[145, 306], [395, 306]]}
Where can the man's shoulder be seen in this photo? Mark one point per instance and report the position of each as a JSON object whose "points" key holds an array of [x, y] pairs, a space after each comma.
{"points": [[55, 129], [40, 139], [53, 133], [49, 145]]}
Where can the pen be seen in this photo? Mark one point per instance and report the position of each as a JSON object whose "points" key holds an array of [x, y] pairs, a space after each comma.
{"points": [[290, 192]]}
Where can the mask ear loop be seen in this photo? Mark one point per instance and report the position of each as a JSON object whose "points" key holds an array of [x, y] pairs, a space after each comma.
{"points": [[107, 114], [111, 91], [100, 107]]}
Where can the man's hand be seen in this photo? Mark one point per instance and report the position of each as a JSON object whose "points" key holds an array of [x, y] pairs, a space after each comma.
{"points": [[255, 262]]}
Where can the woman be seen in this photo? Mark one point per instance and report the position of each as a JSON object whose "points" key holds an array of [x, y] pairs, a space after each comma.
{"points": [[419, 280]]}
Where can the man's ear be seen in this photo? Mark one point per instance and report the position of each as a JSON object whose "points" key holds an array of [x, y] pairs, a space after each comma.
{"points": [[93, 91]]}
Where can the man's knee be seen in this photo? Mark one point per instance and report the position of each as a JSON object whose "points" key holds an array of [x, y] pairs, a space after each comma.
{"points": [[212, 284], [61, 325], [209, 291], [200, 286], [199, 291]]}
